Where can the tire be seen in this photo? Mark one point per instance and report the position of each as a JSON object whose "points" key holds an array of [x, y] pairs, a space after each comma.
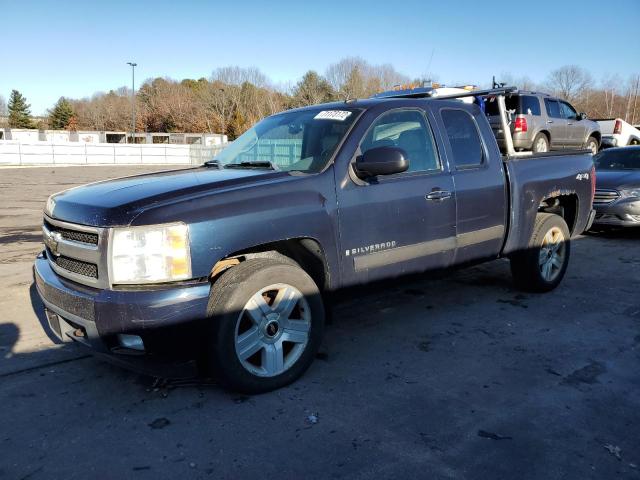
{"points": [[592, 144], [527, 267], [540, 143], [252, 346]]}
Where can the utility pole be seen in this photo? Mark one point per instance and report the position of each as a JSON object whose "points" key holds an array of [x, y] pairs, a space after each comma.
{"points": [[635, 100], [133, 101]]}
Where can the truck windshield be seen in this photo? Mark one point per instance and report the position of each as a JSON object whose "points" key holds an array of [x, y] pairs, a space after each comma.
{"points": [[625, 159], [302, 141]]}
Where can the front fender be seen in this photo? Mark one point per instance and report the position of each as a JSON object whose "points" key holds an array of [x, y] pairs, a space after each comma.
{"points": [[223, 223]]}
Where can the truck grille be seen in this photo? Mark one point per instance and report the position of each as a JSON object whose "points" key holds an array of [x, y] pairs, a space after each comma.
{"points": [[602, 197], [77, 252], [74, 235], [77, 266]]}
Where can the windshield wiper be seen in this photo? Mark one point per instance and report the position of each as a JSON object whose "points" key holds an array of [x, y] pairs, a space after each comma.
{"points": [[253, 164], [212, 163]]}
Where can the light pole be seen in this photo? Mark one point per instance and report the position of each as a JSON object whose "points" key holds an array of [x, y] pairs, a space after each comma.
{"points": [[133, 101]]}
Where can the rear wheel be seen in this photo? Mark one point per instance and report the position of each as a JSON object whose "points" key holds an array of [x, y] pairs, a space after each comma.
{"points": [[267, 323], [541, 267], [540, 143], [592, 144]]}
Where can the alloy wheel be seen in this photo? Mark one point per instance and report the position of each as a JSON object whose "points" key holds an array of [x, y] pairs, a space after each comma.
{"points": [[552, 254], [272, 330]]}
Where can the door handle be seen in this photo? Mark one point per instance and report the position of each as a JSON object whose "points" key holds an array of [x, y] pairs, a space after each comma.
{"points": [[438, 195], [549, 121]]}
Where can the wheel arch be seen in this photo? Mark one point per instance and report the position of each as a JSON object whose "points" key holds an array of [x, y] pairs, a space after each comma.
{"points": [[595, 134], [306, 252], [565, 205]]}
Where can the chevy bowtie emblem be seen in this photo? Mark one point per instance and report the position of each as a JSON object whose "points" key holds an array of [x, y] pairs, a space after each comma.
{"points": [[51, 240]]}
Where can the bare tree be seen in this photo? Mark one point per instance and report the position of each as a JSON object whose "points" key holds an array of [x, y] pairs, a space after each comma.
{"points": [[3, 106], [633, 88], [522, 82], [353, 77], [569, 82]]}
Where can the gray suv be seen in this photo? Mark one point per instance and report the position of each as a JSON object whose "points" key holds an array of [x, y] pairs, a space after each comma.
{"points": [[540, 122]]}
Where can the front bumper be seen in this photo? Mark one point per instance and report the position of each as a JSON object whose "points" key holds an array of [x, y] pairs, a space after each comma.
{"points": [[94, 317], [624, 212]]}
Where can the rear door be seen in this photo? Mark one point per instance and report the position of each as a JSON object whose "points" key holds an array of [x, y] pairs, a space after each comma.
{"points": [[479, 180], [576, 129], [396, 224], [556, 123]]}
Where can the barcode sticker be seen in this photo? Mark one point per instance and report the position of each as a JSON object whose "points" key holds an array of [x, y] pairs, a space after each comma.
{"points": [[339, 115]]}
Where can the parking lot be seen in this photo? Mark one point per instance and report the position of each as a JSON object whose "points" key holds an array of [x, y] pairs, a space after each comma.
{"points": [[448, 375]]}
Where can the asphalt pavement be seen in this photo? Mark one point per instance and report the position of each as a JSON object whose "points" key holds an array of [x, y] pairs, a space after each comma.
{"points": [[447, 375]]}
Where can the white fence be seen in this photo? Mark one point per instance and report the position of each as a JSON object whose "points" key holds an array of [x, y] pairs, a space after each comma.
{"points": [[40, 153]]}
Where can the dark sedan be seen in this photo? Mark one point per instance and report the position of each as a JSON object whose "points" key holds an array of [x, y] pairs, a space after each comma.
{"points": [[617, 198]]}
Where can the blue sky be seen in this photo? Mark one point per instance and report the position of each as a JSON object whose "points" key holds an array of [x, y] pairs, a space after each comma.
{"points": [[75, 48]]}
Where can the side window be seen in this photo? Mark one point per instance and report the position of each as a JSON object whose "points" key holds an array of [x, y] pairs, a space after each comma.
{"points": [[463, 137], [552, 107], [568, 111], [530, 105], [406, 129]]}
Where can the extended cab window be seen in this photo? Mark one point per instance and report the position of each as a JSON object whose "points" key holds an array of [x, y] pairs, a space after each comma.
{"points": [[408, 130], [553, 108], [464, 139], [568, 111]]}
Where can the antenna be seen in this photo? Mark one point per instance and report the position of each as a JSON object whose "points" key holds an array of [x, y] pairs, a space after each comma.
{"points": [[429, 64]]}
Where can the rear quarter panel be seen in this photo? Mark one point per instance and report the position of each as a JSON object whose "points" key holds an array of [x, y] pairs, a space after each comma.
{"points": [[536, 178]]}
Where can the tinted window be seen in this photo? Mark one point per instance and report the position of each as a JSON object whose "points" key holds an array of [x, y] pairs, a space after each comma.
{"points": [[553, 109], [512, 102], [529, 105], [463, 138], [568, 111], [525, 104], [405, 129]]}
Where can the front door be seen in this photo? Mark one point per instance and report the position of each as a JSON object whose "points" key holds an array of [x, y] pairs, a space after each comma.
{"points": [[402, 223], [576, 129]]}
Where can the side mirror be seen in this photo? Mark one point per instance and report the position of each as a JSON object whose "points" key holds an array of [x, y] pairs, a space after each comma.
{"points": [[382, 161], [582, 116]]}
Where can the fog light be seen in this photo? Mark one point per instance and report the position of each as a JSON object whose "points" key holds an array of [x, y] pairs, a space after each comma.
{"points": [[133, 342]]}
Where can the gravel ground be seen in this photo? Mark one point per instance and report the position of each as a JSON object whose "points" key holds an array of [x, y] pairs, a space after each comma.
{"points": [[453, 375]]}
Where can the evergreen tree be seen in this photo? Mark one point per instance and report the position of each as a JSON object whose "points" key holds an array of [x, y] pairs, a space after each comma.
{"points": [[61, 115], [19, 113], [312, 89]]}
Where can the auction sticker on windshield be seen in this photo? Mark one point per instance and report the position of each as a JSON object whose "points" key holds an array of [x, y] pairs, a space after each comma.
{"points": [[340, 115]]}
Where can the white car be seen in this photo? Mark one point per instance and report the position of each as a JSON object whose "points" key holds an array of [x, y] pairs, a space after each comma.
{"points": [[618, 133]]}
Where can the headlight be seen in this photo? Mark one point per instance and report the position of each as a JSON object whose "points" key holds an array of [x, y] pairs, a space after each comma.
{"points": [[633, 192], [50, 205], [153, 254]]}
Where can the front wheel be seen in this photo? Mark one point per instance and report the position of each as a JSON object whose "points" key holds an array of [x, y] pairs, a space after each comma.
{"points": [[267, 321], [542, 265]]}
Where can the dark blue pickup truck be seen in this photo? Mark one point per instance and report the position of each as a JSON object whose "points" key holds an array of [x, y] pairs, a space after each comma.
{"points": [[246, 248]]}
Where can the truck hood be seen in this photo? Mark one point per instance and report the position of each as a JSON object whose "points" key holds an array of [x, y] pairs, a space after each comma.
{"points": [[617, 179], [119, 201]]}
